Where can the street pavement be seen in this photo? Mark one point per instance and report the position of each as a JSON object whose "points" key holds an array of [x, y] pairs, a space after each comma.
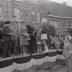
{"points": [[60, 69]]}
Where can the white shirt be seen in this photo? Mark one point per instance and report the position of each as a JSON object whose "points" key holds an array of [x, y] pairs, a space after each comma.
{"points": [[44, 36]]}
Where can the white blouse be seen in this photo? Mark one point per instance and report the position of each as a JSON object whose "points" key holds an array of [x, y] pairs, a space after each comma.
{"points": [[44, 36]]}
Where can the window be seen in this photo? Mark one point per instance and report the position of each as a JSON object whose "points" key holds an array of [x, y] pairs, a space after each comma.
{"points": [[70, 24], [1, 15], [54, 23], [17, 14], [33, 13], [34, 16], [63, 23], [38, 17]]}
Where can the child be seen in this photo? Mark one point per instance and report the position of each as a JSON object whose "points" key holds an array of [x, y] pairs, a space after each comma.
{"points": [[44, 38]]}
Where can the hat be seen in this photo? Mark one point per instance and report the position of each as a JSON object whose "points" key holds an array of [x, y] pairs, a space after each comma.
{"points": [[7, 22]]}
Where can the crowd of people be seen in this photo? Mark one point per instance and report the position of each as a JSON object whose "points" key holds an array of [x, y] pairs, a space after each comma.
{"points": [[20, 38]]}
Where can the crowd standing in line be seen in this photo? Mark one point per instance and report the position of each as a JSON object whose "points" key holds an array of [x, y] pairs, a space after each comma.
{"points": [[29, 39], [20, 38]]}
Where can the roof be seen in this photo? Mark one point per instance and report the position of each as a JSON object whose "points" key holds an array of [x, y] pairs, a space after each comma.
{"points": [[60, 9], [53, 8], [47, 6]]}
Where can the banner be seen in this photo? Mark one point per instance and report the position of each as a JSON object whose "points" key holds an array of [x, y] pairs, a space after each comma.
{"points": [[31, 62]]}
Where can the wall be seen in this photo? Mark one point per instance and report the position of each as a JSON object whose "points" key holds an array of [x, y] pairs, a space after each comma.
{"points": [[25, 14]]}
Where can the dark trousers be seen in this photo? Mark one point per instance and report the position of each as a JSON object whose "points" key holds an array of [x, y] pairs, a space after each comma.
{"points": [[32, 45], [7, 49], [24, 49]]}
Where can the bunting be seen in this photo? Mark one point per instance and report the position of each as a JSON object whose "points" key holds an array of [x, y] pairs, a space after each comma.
{"points": [[34, 61]]}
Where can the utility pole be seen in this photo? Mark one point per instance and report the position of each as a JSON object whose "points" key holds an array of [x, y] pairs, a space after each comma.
{"points": [[7, 11]]}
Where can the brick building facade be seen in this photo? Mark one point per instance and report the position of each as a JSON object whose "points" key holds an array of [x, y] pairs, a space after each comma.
{"points": [[58, 15]]}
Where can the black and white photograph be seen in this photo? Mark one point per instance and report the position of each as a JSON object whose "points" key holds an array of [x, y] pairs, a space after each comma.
{"points": [[35, 35]]}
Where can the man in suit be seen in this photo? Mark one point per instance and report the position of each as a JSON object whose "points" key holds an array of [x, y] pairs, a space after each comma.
{"points": [[7, 40]]}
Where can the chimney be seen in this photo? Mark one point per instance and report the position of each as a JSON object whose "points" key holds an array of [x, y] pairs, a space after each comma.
{"points": [[64, 3]]}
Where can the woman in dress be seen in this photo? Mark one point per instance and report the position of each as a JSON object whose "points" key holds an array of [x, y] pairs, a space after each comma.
{"points": [[24, 37]]}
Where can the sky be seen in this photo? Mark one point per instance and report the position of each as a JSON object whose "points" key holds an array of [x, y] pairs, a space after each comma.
{"points": [[69, 2]]}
